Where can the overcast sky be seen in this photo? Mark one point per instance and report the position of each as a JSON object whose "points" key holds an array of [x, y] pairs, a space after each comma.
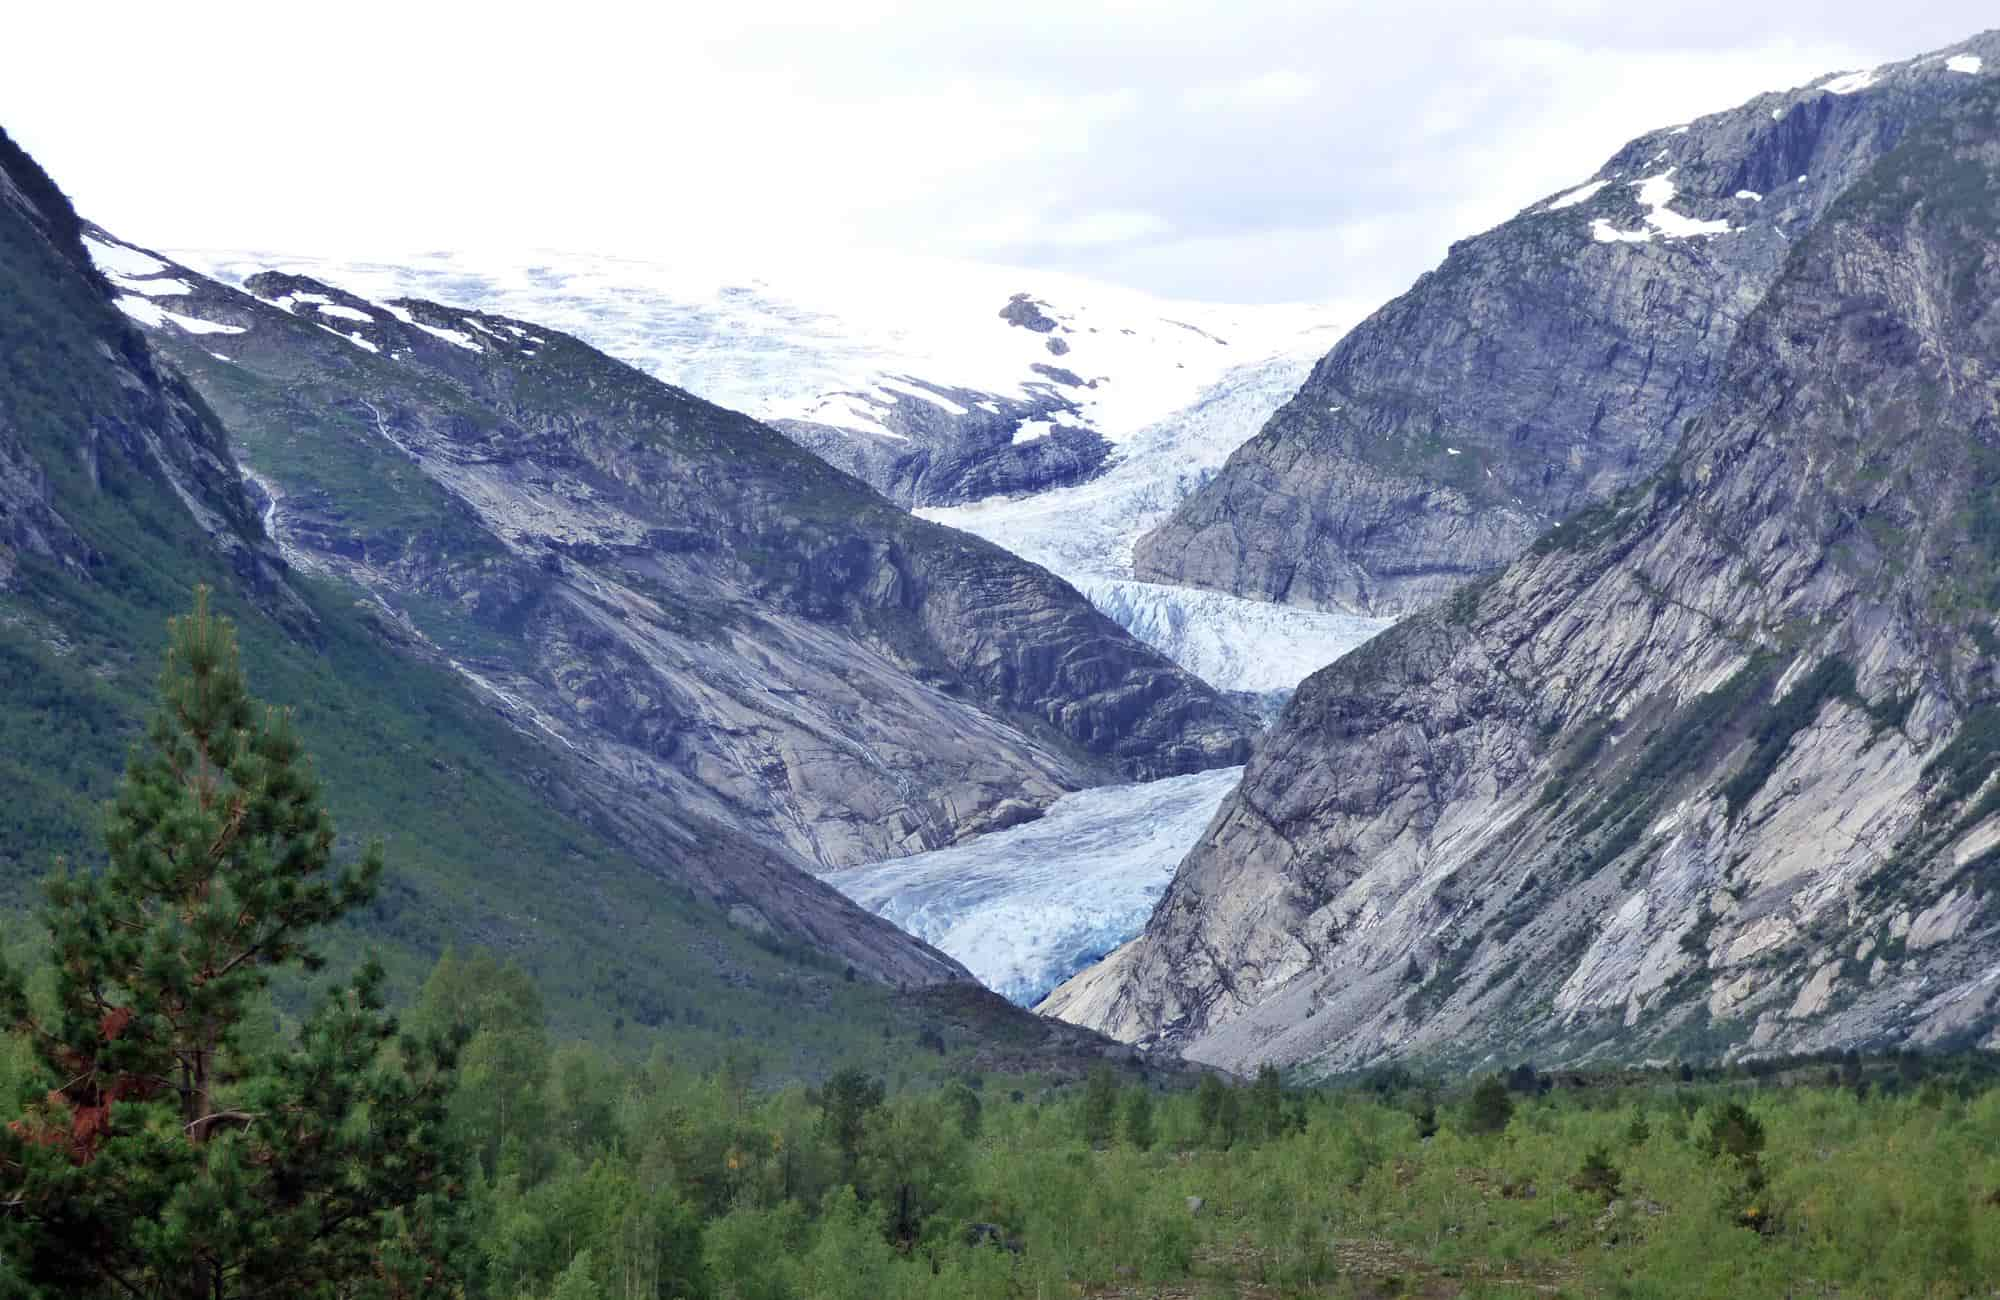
{"points": [[1237, 150]]}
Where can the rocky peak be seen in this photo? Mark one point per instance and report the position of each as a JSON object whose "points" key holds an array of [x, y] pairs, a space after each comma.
{"points": [[1546, 364], [1709, 768]]}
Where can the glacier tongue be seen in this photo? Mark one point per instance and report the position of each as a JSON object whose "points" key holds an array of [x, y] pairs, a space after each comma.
{"points": [[1086, 533], [1229, 642], [1026, 908]]}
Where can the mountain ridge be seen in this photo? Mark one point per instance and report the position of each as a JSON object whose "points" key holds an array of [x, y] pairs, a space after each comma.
{"points": [[1545, 364], [1706, 771]]}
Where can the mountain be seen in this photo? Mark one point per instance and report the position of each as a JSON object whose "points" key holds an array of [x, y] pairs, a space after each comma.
{"points": [[711, 620], [121, 492], [1546, 364], [935, 381], [1711, 767], [945, 385]]}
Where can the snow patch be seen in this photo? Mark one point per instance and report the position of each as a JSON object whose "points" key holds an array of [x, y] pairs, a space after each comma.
{"points": [[1967, 63], [1033, 431], [841, 412], [116, 259], [901, 389], [142, 310], [153, 316], [457, 338], [354, 338], [195, 325], [1750, 195], [167, 288], [1581, 194], [345, 313], [1656, 192], [1848, 83]]}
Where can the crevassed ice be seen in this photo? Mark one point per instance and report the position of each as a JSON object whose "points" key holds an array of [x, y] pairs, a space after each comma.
{"points": [[1086, 534], [1026, 908]]}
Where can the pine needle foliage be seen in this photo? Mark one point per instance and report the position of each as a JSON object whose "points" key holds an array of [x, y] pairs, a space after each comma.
{"points": [[168, 1152]]}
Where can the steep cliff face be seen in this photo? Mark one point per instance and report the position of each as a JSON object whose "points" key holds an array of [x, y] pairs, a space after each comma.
{"points": [[716, 623], [1710, 768], [1547, 363], [84, 409]]}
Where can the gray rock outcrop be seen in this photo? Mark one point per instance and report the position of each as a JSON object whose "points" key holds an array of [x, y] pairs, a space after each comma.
{"points": [[1546, 364], [1710, 769]]}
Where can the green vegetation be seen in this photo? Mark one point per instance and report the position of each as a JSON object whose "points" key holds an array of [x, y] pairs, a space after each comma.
{"points": [[160, 1149], [1831, 679], [488, 846]]}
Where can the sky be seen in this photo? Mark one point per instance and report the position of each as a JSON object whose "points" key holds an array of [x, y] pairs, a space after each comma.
{"points": [[1234, 150]]}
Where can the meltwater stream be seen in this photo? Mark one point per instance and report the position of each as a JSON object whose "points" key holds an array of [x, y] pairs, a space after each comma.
{"points": [[1026, 908]]}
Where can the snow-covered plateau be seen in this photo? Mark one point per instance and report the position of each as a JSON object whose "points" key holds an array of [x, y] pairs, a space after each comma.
{"points": [[1027, 907], [836, 340]]}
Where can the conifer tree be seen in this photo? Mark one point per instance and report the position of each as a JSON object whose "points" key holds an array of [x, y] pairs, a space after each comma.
{"points": [[1100, 1106], [1139, 1132], [171, 1154]]}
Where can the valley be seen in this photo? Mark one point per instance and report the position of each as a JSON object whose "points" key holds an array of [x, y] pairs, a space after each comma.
{"points": [[760, 767]]}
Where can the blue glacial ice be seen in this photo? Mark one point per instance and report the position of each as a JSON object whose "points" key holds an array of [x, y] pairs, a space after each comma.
{"points": [[1026, 908]]}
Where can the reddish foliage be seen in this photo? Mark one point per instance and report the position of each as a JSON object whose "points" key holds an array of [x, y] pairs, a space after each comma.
{"points": [[77, 1118]]}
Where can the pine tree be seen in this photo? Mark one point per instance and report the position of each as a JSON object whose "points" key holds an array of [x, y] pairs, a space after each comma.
{"points": [[1490, 1108], [172, 1154], [1267, 1102], [1100, 1106], [1139, 1133]]}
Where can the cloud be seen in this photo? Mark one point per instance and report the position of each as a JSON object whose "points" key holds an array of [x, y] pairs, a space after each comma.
{"points": [[1217, 148], [1274, 89], [1096, 229]]}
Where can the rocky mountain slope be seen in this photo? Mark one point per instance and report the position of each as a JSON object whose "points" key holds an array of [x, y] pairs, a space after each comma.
{"points": [[1547, 363], [1063, 426], [1712, 767], [714, 622], [121, 491]]}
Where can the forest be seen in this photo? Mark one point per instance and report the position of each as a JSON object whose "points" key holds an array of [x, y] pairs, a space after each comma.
{"points": [[183, 1123]]}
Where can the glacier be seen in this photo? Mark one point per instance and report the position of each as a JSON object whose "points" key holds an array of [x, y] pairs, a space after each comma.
{"points": [[1174, 387], [835, 340], [1027, 907], [1085, 534]]}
